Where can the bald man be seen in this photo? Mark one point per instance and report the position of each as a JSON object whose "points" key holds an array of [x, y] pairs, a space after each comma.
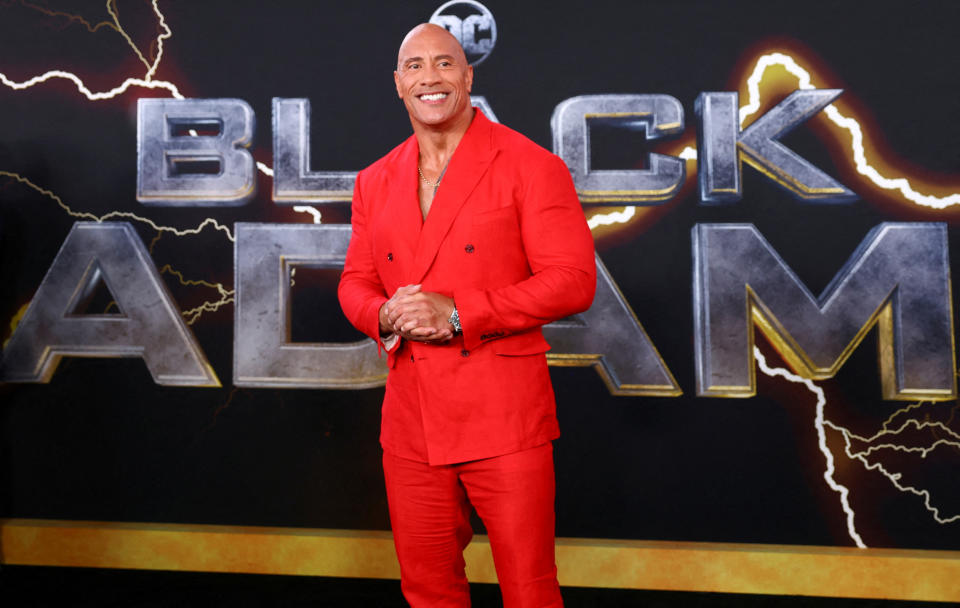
{"points": [[467, 239]]}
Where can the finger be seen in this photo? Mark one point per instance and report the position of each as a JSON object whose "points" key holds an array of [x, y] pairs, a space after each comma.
{"points": [[403, 310], [424, 332], [412, 325], [409, 299], [406, 322], [406, 290]]}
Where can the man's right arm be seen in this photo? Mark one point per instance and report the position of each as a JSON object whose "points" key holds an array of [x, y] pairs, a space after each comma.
{"points": [[360, 291]]}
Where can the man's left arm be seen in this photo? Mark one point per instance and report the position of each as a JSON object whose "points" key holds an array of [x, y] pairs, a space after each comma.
{"points": [[559, 250]]}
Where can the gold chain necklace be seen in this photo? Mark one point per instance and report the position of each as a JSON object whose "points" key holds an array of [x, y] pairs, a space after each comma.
{"points": [[428, 182]]}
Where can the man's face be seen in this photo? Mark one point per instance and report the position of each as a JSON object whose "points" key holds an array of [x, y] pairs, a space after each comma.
{"points": [[433, 77]]}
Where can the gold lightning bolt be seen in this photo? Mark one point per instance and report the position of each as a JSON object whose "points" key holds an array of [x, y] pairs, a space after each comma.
{"points": [[953, 440], [77, 18], [226, 295], [147, 81], [118, 214]]}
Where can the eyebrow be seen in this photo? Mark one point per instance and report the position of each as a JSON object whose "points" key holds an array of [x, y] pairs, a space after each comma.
{"points": [[410, 60]]}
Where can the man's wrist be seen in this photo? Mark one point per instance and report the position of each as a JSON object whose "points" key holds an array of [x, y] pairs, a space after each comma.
{"points": [[383, 322]]}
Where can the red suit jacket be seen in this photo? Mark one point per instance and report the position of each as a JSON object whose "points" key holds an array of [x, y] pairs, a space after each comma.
{"points": [[506, 238]]}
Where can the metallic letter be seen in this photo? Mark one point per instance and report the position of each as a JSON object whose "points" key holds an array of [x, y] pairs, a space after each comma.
{"points": [[609, 337], [722, 145], [293, 181], [148, 326], [718, 163], [897, 279], [263, 355], [656, 115], [169, 152]]}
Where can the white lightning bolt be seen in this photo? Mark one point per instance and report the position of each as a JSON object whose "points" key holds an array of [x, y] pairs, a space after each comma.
{"points": [[894, 478], [614, 217], [627, 213], [145, 82], [804, 81], [226, 295], [311, 210], [849, 124], [148, 82], [954, 439], [819, 423]]}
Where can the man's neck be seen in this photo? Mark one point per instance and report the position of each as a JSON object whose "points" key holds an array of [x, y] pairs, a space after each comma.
{"points": [[437, 144]]}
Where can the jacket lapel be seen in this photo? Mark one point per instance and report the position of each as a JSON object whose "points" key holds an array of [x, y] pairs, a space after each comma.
{"points": [[469, 163], [403, 208]]}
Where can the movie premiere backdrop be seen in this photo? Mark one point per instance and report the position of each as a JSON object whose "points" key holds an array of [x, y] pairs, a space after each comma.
{"points": [[772, 186]]}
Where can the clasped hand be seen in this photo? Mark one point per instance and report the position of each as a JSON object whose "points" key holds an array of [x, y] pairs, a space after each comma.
{"points": [[417, 315]]}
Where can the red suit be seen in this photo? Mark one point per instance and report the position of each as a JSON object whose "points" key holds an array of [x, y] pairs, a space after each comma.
{"points": [[506, 238]]}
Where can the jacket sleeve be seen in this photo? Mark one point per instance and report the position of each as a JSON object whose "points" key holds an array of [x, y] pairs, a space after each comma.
{"points": [[560, 254], [360, 291]]}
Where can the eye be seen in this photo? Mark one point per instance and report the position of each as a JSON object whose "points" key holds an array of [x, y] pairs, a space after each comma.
{"points": [[445, 64], [413, 66]]}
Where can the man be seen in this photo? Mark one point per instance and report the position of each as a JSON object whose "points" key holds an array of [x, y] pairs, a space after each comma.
{"points": [[467, 238]]}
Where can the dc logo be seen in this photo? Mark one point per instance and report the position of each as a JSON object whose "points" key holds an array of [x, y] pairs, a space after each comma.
{"points": [[472, 25]]}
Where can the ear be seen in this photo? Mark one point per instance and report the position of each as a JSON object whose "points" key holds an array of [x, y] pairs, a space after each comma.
{"points": [[469, 78], [396, 82]]}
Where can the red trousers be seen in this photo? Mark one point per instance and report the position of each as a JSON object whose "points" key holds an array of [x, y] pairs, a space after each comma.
{"points": [[429, 513]]}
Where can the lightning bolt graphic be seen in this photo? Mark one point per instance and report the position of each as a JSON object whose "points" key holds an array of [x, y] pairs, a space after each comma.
{"points": [[52, 13], [145, 82], [846, 123], [226, 295], [895, 478], [872, 445], [118, 214], [821, 423], [627, 213], [148, 82]]}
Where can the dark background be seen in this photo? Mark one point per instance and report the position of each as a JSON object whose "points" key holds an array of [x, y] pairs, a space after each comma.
{"points": [[102, 442]]}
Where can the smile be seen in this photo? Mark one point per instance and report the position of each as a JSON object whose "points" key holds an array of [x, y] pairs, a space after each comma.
{"points": [[433, 96]]}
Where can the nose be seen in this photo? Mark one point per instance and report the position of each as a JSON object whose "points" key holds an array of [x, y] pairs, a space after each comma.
{"points": [[429, 74]]}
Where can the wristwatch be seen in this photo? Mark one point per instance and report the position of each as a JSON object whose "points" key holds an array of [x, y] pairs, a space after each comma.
{"points": [[455, 321]]}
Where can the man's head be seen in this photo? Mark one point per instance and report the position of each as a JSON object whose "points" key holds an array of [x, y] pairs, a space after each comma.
{"points": [[433, 77]]}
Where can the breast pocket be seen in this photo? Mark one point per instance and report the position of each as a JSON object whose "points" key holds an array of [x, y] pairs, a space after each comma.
{"points": [[501, 214]]}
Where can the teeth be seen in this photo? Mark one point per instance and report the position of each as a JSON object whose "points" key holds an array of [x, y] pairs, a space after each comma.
{"points": [[433, 96]]}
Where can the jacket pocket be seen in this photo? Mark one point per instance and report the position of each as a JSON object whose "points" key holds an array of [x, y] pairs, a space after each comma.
{"points": [[526, 343]]}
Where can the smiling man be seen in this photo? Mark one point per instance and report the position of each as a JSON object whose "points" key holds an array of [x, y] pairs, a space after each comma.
{"points": [[467, 238]]}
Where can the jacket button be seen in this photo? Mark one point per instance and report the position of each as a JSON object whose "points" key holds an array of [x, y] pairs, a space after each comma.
{"points": [[390, 257], [464, 353], [411, 358], [468, 248]]}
